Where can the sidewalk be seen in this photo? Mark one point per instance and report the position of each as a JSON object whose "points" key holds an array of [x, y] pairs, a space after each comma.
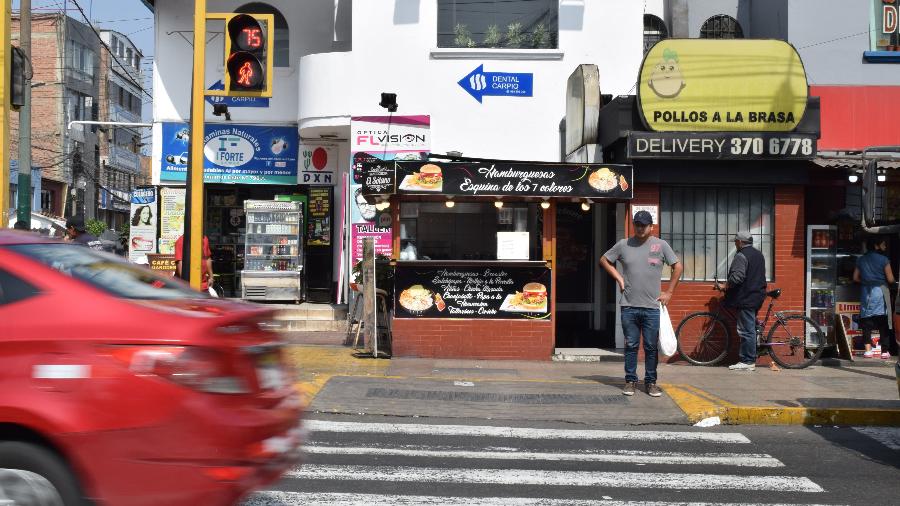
{"points": [[335, 381]]}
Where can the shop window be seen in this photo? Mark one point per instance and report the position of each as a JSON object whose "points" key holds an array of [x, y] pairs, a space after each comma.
{"points": [[885, 29], [467, 231], [654, 31], [700, 223], [282, 55], [721, 26], [514, 24]]}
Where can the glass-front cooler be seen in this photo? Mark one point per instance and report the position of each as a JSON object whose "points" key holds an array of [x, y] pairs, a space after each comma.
{"points": [[821, 277], [273, 252]]}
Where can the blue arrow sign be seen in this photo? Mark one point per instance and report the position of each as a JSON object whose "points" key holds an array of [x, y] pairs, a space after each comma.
{"points": [[235, 101], [498, 84]]}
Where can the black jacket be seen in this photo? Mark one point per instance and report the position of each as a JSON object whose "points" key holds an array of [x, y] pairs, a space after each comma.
{"points": [[747, 279]]}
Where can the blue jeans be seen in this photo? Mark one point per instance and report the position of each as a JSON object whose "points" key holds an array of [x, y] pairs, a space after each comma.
{"points": [[746, 328], [635, 322]]}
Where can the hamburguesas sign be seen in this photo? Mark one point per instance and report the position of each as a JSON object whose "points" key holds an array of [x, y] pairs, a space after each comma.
{"points": [[703, 85], [494, 179]]}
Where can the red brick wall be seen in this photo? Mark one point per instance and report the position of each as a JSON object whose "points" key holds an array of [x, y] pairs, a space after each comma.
{"points": [[475, 339], [46, 133], [790, 238]]}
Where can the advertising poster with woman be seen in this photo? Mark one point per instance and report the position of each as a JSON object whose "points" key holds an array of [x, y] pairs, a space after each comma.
{"points": [[142, 229], [376, 138]]}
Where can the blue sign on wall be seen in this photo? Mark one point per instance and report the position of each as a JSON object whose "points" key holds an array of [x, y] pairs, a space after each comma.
{"points": [[248, 154], [235, 101], [479, 83]]}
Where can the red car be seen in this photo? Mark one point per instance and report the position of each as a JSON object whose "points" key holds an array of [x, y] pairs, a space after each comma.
{"points": [[121, 386]]}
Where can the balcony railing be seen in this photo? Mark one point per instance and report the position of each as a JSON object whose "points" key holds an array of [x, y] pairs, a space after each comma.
{"points": [[123, 159]]}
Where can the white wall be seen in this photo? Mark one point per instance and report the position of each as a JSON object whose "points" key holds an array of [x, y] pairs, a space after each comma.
{"points": [[393, 43], [311, 31]]}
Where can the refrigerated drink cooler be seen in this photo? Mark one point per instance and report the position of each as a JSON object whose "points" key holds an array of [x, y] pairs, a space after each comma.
{"points": [[273, 251]]}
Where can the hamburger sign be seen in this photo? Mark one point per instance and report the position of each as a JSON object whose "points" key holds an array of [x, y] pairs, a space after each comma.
{"points": [[706, 85]]}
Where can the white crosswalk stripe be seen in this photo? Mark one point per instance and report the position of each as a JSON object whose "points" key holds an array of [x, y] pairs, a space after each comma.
{"points": [[522, 433], [344, 499], [558, 478], [627, 456], [347, 462]]}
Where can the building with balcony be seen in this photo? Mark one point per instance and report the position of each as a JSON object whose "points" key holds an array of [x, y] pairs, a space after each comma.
{"points": [[121, 98]]}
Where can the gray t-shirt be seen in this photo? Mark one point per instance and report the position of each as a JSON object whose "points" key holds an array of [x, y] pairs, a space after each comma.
{"points": [[642, 269]]}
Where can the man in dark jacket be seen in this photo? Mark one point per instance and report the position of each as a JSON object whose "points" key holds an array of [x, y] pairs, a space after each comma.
{"points": [[746, 291]]}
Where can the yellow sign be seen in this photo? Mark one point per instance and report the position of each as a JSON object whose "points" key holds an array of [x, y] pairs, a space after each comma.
{"points": [[703, 85]]}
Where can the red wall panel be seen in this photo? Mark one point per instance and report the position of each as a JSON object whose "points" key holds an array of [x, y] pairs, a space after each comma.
{"points": [[855, 117]]}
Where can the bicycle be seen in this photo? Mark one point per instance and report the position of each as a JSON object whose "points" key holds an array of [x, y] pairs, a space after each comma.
{"points": [[794, 341]]}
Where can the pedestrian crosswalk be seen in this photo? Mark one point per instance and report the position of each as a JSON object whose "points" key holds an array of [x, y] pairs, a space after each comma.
{"points": [[351, 463]]}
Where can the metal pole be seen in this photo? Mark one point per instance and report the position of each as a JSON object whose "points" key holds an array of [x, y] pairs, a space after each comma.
{"points": [[193, 229], [5, 54], [23, 210]]}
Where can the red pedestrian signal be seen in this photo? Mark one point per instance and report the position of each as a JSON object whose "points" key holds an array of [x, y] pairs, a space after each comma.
{"points": [[248, 62]]}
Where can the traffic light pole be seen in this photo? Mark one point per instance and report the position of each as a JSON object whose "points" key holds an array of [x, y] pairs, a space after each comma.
{"points": [[193, 229], [23, 210], [5, 74]]}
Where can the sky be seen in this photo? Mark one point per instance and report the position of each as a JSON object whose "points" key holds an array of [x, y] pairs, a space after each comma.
{"points": [[130, 17]]}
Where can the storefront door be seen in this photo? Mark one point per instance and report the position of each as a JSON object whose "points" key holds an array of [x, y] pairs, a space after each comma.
{"points": [[585, 303]]}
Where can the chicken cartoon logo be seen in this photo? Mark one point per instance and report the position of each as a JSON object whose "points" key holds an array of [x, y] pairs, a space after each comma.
{"points": [[666, 79]]}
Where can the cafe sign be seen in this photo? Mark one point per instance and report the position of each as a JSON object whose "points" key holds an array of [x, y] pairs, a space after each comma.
{"points": [[707, 85], [496, 179]]}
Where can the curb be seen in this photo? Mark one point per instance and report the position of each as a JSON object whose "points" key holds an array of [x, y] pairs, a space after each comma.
{"points": [[698, 404]]}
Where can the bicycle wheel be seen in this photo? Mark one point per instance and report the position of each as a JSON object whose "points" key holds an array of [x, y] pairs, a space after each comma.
{"points": [[703, 339], [795, 342]]}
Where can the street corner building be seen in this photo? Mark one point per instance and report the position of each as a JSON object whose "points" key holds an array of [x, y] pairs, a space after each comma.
{"points": [[492, 152]]}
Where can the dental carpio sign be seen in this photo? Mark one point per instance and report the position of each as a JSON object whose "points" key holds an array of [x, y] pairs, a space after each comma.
{"points": [[479, 84]]}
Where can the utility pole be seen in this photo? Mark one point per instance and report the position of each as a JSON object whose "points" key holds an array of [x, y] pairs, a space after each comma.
{"points": [[192, 253], [23, 210], [5, 75]]}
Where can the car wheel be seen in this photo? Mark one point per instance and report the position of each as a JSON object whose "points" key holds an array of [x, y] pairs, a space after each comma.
{"points": [[47, 482]]}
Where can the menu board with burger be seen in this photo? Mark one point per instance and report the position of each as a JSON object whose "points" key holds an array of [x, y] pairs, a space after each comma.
{"points": [[593, 181], [477, 291]]}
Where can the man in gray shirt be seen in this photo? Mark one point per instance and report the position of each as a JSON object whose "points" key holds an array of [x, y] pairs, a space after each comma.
{"points": [[641, 257]]}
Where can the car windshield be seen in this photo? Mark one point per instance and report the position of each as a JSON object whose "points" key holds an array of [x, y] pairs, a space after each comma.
{"points": [[106, 272]]}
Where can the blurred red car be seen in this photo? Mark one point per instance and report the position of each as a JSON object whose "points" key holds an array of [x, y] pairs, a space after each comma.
{"points": [[121, 386]]}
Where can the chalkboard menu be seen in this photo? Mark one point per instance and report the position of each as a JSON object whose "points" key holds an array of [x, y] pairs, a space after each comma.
{"points": [[494, 179], [478, 290]]}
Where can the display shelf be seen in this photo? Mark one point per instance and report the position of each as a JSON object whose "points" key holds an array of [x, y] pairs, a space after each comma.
{"points": [[273, 250], [821, 276]]}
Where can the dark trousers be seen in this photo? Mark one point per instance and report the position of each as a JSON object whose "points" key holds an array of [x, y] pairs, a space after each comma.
{"points": [[886, 335], [637, 322], [746, 328]]}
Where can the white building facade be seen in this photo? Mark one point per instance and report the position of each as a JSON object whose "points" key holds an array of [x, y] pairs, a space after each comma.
{"points": [[335, 57]]}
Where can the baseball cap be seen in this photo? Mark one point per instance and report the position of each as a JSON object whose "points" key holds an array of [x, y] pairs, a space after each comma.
{"points": [[643, 217], [743, 236], [76, 222]]}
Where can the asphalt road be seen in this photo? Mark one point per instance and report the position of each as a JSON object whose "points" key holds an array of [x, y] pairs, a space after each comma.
{"points": [[370, 460]]}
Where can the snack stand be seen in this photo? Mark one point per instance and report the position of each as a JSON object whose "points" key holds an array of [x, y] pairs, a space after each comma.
{"points": [[273, 253], [474, 250]]}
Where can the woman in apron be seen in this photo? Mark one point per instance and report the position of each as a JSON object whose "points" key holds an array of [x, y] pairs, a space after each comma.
{"points": [[873, 272]]}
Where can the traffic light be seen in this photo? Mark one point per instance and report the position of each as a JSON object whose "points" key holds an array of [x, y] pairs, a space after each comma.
{"points": [[248, 58], [18, 70]]}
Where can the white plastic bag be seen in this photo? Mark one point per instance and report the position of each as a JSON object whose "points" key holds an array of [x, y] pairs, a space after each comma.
{"points": [[668, 345]]}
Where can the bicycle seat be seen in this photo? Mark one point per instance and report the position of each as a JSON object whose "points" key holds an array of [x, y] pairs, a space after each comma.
{"points": [[774, 293]]}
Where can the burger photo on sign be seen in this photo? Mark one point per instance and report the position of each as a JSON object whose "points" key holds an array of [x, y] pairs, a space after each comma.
{"points": [[532, 299], [429, 178]]}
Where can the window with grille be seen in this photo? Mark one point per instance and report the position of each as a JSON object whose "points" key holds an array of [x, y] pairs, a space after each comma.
{"points": [[523, 24], [700, 223], [654, 31], [721, 26]]}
